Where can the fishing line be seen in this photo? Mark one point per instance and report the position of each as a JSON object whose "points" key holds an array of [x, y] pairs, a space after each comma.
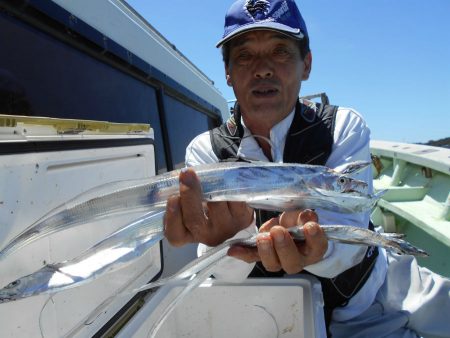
{"points": [[41, 329], [275, 323], [192, 284], [277, 154], [307, 128], [315, 157]]}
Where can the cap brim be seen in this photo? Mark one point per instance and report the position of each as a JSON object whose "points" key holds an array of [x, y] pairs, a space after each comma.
{"points": [[293, 32]]}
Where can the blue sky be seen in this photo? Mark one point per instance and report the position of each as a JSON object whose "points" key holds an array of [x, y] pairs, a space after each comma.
{"points": [[388, 59]]}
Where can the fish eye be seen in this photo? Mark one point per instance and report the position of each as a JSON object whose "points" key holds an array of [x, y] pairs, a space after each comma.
{"points": [[13, 284], [342, 180]]}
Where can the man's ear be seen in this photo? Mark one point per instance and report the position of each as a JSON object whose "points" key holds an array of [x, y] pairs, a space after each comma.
{"points": [[229, 80], [308, 64], [228, 77]]}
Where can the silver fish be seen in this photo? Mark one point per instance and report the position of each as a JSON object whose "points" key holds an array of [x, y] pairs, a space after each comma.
{"points": [[201, 268], [339, 233], [197, 270], [197, 280], [114, 252], [132, 241], [362, 236], [270, 186]]}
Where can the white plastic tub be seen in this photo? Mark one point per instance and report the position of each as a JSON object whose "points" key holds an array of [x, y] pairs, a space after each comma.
{"points": [[255, 308], [42, 167]]}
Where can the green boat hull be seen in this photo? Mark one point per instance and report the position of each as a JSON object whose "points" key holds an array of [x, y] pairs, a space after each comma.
{"points": [[417, 201]]}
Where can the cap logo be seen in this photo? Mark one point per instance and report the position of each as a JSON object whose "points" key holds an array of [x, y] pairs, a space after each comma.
{"points": [[254, 7], [281, 11]]}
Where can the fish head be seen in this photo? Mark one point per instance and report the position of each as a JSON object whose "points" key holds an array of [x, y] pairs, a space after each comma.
{"points": [[35, 283], [345, 184], [10, 291]]}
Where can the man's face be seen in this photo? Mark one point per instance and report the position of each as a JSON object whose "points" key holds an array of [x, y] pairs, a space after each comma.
{"points": [[266, 70]]}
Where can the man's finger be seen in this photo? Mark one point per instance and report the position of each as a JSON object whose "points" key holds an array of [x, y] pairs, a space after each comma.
{"points": [[175, 231], [306, 216], [249, 255], [269, 224], [221, 222], [191, 203], [286, 250], [289, 218], [241, 212], [316, 243], [267, 252]]}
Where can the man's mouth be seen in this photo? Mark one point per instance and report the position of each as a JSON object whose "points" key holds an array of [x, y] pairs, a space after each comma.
{"points": [[264, 92]]}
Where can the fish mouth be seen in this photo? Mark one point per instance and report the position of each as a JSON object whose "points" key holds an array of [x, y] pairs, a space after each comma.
{"points": [[6, 299], [352, 191]]}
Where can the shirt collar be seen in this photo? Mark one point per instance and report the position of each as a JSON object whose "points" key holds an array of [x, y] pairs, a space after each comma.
{"points": [[250, 149]]}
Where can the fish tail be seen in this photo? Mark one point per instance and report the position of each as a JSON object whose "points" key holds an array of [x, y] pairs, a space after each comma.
{"points": [[7, 250], [17, 243], [353, 167]]}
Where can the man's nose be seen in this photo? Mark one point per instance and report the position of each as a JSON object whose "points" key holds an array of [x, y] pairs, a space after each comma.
{"points": [[263, 68]]}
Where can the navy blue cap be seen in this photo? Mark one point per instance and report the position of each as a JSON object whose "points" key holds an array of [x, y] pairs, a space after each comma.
{"points": [[279, 15]]}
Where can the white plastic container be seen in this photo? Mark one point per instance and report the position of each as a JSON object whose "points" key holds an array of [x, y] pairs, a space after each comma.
{"points": [[40, 168], [273, 307]]}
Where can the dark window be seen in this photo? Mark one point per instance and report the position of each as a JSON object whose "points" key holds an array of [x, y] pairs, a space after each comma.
{"points": [[42, 76], [183, 124]]}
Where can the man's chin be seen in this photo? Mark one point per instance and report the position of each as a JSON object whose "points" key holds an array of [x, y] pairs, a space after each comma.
{"points": [[269, 111], [267, 107]]}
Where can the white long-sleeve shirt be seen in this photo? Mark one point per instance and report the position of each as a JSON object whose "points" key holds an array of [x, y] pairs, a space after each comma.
{"points": [[350, 143]]}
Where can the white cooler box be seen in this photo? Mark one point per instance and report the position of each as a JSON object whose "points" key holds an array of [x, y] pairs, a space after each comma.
{"points": [[258, 307], [45, 162]]}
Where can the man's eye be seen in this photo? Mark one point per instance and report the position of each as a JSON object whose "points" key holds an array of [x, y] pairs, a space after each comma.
{"points": [[281, 51], [243, 55]]}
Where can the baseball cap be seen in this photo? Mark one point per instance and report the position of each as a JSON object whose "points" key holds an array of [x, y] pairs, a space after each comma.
{"points": [[279, 15]]}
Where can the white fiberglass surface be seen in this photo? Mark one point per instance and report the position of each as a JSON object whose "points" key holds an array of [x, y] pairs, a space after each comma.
{"points": [[278, 308]]}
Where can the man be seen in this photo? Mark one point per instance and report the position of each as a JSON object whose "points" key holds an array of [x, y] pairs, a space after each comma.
{"points": [[266, 54]]}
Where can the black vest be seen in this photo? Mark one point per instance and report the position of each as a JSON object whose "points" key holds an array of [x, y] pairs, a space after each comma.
{"points": [[309, 141]]}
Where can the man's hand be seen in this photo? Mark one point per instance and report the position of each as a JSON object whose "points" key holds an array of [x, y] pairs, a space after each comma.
{"points": [[276, 249], [189, 220]]}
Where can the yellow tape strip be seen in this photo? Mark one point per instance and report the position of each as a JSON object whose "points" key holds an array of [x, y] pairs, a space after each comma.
{"points": [[64, 126]]}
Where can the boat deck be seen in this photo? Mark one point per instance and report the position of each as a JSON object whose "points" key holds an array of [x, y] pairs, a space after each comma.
{"points": [[417, 201]]}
